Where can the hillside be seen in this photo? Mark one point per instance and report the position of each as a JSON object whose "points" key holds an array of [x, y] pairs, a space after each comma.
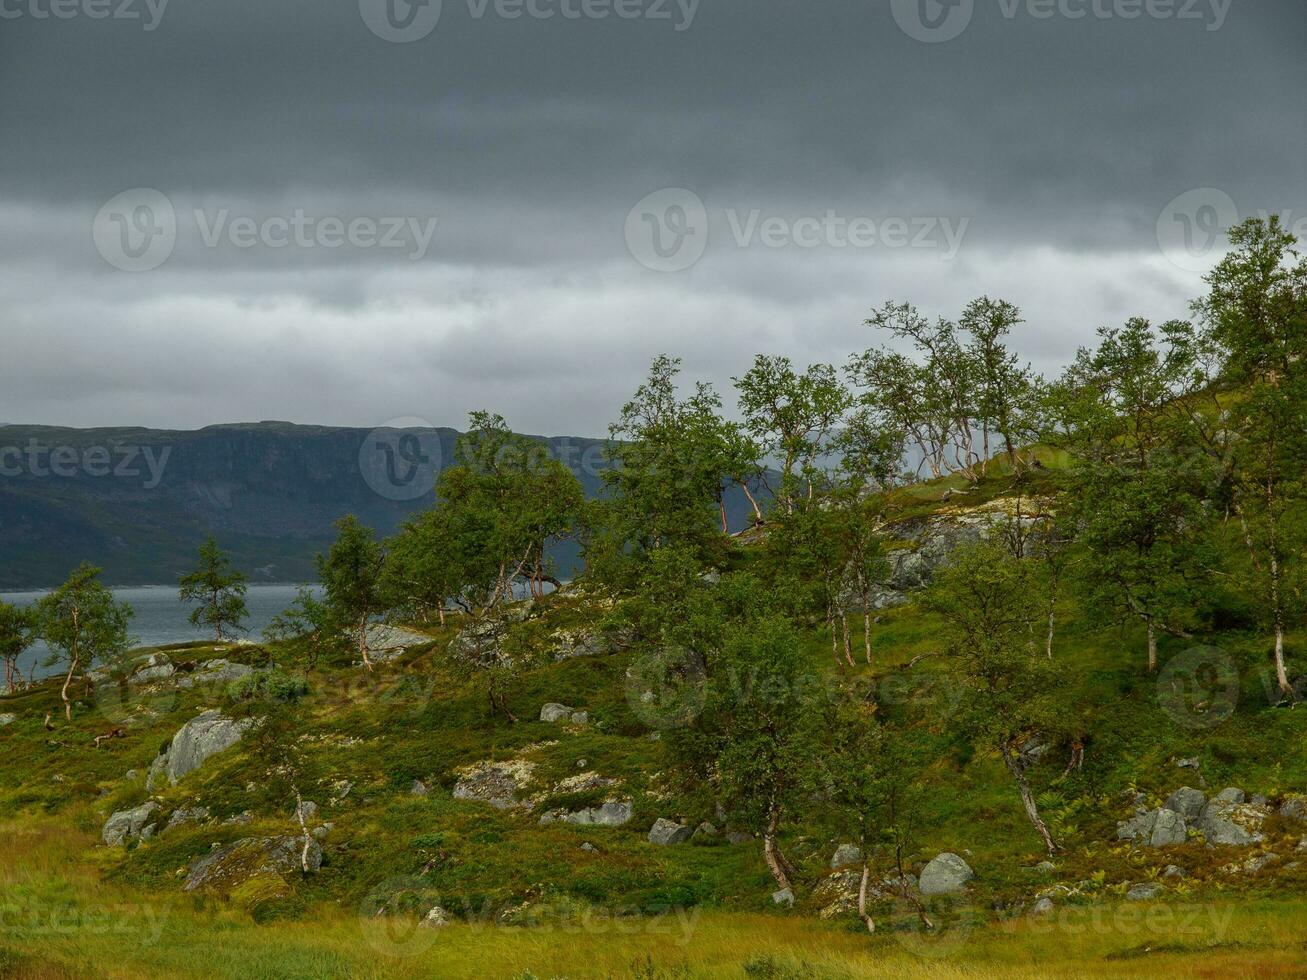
{"points": [[425, 805], [138, 501]]}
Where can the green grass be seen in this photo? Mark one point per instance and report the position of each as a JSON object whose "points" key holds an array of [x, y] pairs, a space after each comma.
{"points": [[418, 719]]}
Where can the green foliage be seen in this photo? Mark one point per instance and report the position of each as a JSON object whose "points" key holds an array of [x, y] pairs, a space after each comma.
{"points": [[350, 574], [17, 632], [83, 625], [267, 685], [220, 590]]}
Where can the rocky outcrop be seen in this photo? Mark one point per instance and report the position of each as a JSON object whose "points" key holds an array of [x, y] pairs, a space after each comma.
{"points": [[1228, 821], [386, 642], [665, 832], [946, 874], [126, 826], [215, 672], [228, 867], [204, 736], [155, 667], [611, 814], [496, 783], [1188, 802]]}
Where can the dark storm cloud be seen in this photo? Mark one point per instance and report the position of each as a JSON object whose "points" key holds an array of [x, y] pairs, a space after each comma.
{"points": [[1060, 140]]}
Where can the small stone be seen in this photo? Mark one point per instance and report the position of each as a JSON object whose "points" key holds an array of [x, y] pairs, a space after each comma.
{"points": [[131, 775], [1230, 795], [341, 789], [320, 833], [845, 855], [1174, 871], [1302, 846], [1045, 867], [7, 718], [783, 897], [1193, 763], [306, 811], [580, 717], [589, 848], [1042, 907], [581, 763], [1145, 892], [437, 918], [740, 837], [418, 788]]}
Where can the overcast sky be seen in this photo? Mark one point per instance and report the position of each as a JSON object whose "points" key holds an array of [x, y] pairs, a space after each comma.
{"points": [[274, 255]]}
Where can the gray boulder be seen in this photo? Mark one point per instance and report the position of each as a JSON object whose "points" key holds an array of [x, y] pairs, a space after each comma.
{"points": [[204, 736], [386, 642], [127, 825], [580, 718], [1042, 907], [227, 867], [555, 712], [7, 718], [1174, 871], [946, 874], [1145, 892], [155, 667], [845, 855], [306, 811], [1154, 828], [418, 788], [612, 814], [784, 897], [1169, 828], [1229, 823], [1188, 802], [666, 832], [1295, 808], [1231, 794]]}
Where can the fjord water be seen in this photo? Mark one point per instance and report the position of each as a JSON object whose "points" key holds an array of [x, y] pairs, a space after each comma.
{"points": [[160, 618]]}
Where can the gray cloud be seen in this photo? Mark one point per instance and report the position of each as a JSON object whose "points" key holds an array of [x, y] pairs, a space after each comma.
{"points": [[1061, 141]]}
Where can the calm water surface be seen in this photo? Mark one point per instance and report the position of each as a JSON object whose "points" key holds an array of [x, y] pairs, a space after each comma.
{"points": [[160, 618]]}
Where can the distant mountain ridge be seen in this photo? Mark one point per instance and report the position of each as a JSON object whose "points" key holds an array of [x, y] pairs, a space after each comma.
{"points": [[139, 501]]}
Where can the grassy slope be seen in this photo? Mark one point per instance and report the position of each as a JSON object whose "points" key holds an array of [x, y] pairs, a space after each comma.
{"points": [[413, 719]]}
